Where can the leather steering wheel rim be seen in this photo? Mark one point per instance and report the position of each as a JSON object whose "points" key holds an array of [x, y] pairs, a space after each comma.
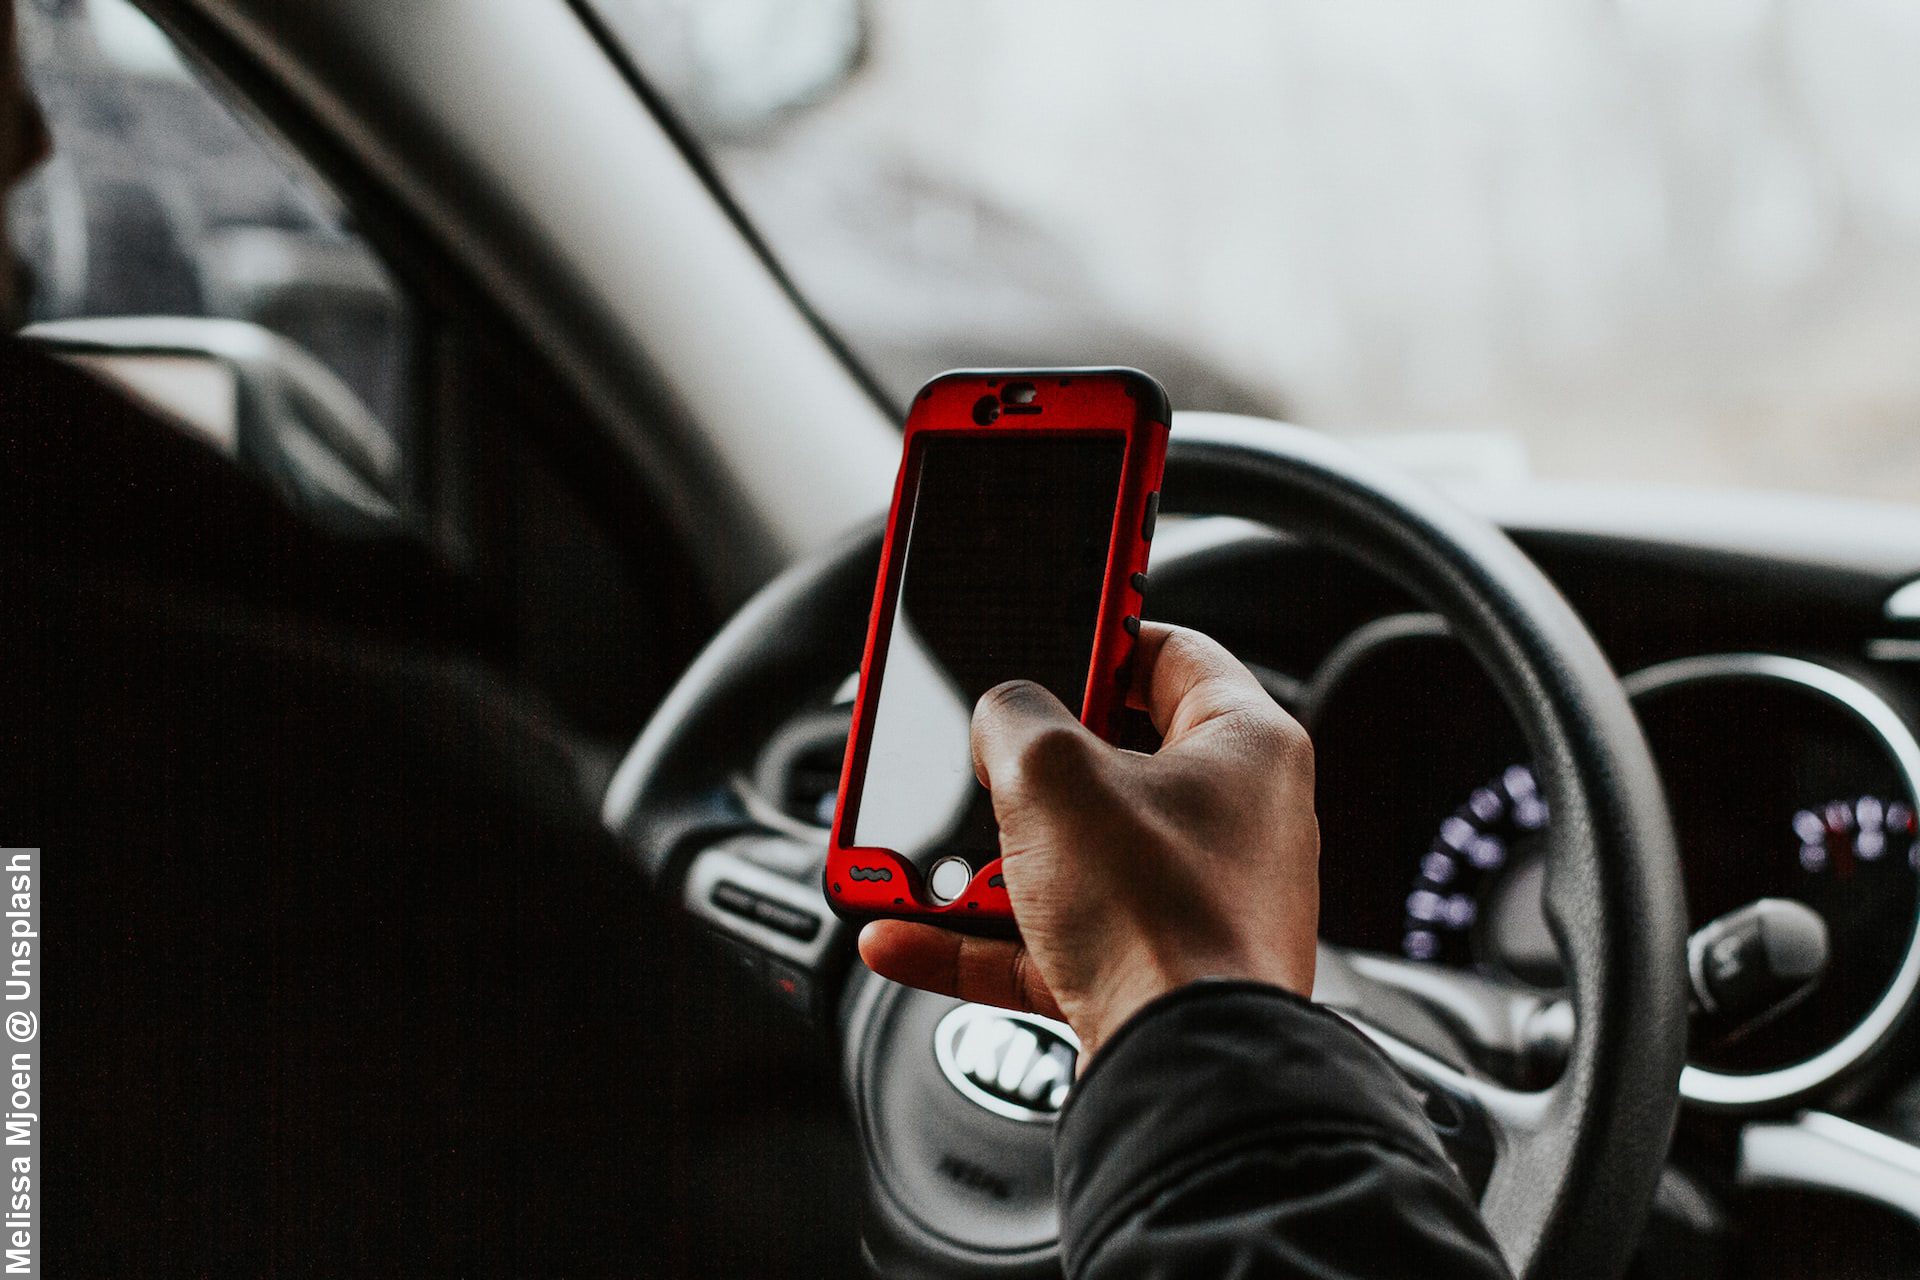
{"points": [[1576, 1164], [1614, 896]]}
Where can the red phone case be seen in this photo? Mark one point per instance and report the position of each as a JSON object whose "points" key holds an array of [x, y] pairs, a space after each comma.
{"points": [[873, 883]]}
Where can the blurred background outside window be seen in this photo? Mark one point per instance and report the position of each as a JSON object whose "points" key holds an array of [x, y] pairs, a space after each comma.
{"points": [[1634, 241], [161, 200]]}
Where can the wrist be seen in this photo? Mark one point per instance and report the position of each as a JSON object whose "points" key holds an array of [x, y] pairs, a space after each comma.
{"points": [[1097, 1019], [1133, 986]]}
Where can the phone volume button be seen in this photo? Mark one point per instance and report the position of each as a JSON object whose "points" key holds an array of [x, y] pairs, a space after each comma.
{"points": [[1132, 624], [1140, 583]]}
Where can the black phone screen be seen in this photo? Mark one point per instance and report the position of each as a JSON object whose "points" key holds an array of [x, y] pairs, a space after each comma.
{"points": [[1005, 558]]}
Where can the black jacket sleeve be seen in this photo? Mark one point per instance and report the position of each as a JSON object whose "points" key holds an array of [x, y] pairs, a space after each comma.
{"points": [[1231, 1129]]}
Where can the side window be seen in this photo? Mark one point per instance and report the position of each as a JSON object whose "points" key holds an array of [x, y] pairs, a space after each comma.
{"points": [[160, 201], [180, 250]]}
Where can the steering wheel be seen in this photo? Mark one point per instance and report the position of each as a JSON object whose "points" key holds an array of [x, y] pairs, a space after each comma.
{"points": [[959, 1160]]}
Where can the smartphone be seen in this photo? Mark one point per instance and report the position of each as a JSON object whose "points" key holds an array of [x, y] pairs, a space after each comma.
{"points": [[1016, 549]]}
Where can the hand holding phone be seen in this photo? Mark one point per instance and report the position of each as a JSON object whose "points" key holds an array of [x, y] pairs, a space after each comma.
{"points": [[1016, 549], [1136, 875]]}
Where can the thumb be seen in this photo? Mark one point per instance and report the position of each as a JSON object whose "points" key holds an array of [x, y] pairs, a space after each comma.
{"points": [[1028, 746]]}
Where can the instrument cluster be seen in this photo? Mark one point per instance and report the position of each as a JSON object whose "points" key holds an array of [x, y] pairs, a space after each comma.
{"points": [[1785, 778]]}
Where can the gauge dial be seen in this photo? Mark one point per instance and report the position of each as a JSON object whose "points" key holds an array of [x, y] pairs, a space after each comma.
{"points": [[1777, 790], [1843, 837], [1784, 778], [1473, 847]]}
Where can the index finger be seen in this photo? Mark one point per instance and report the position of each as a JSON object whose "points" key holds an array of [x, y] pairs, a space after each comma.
{"points": [[993, 971], [1184, 679]]}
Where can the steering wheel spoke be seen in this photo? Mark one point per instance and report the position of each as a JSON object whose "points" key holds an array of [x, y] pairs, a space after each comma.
{"points": [[759, 891], [1478, 1121], [1465, 1044], [1516, 1035]]}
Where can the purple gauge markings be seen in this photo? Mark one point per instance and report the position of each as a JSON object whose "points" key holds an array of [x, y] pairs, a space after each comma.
{"points": [[1487, 805], [1475, 844], [1841, 834]]}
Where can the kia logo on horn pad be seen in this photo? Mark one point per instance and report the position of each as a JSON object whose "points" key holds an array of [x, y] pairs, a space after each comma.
{"points": [[1016, 1065]]}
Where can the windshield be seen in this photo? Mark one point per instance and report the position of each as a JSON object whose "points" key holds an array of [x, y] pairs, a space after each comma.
{"points": [[1645, 242]]}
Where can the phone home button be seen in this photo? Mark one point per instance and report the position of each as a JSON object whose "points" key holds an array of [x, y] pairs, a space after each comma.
{"points": [[948, 880]]}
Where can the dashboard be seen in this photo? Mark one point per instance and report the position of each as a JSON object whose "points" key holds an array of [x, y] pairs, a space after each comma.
{"points": [[1776, 689], [1771, 651], [1786, 778], [1774, 675]]}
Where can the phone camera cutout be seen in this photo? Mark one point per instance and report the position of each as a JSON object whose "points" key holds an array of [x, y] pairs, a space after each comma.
{"points": [[948, 879], [986, 411], [1019, 397]]}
